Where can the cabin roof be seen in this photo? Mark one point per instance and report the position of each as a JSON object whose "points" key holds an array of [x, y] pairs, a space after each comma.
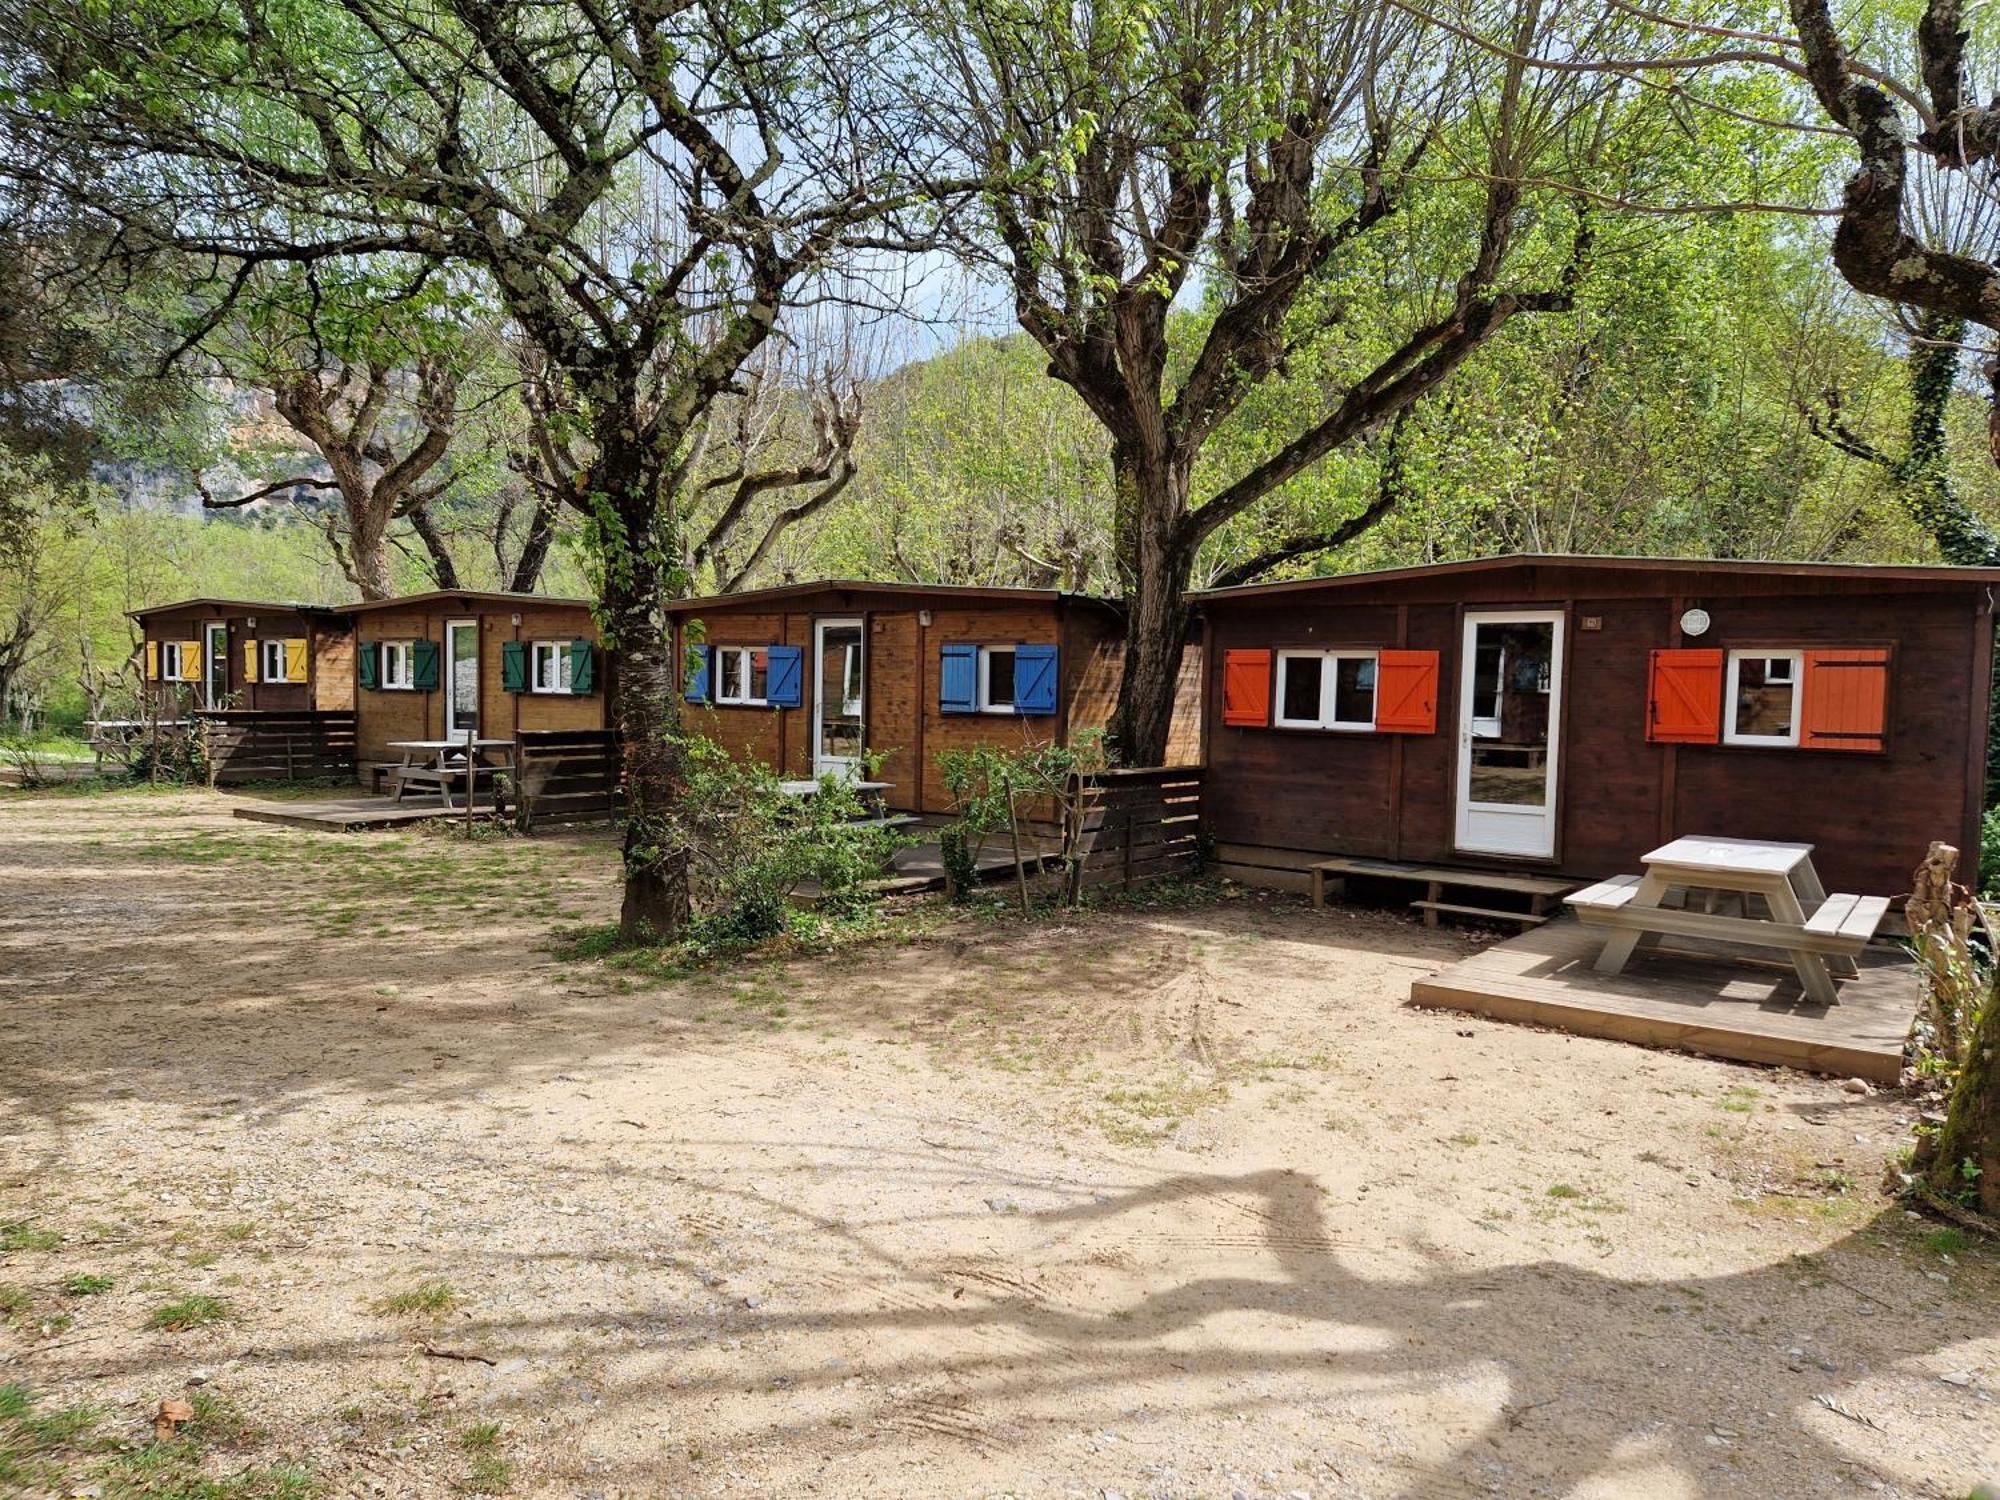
{"points": [[968, 591], [477, 596], [1587, 562], [286, 606]]}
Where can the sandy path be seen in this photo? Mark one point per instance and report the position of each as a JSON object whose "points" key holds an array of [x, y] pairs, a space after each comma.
{"points": [[1178, 1202]]}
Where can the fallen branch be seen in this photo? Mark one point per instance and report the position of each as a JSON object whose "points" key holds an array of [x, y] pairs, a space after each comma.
{"points": [[461, 1355]]}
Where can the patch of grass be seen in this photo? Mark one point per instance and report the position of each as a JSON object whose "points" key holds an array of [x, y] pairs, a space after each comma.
{"points": [[479, 1435], [84, 1284], [1145, 1114], [1947, 1241], [1466, 1142], [1740, 1099], [20, 1235], [1564, 1190], [427, 1297], [491, 1475], [183, 1313], [32, 1444], [14, 1301]]}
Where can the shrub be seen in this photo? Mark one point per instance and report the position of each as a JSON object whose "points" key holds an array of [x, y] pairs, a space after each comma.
{"points": [[992, 790], [751, 845]]}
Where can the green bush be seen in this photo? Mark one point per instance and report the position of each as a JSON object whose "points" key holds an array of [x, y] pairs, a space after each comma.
{"points": [[1989, 853], [992, 790], [751, 845]]}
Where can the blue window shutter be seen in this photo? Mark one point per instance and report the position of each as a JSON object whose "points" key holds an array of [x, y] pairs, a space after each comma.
{"points": [[784, 680], [1035, 679], [958, 679], [697, 688]]}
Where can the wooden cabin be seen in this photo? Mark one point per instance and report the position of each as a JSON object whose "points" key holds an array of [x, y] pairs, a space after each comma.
{"points": [[239, 654], [806, 677], [431, 666], [1566, 714]]}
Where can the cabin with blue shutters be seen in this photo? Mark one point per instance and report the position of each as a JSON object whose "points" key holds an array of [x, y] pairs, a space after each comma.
{"points": [[806, 677], [1564, 715], [431, 666]]}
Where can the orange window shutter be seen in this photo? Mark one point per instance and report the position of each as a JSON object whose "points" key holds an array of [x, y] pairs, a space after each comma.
{"points": [[1406, 692], [1684, 698], [1844, 702], [1246, 688]]}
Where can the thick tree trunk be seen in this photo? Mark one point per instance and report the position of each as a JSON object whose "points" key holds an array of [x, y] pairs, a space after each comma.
{"points": [[368, 555], [535, 548], [443, 570], [1963, 1164], [1152, 500], [632, 597]]}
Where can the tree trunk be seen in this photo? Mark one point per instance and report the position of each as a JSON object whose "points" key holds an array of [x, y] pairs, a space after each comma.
{"points": [[1963, 1165], [1925, 474], [443, 570], [368, 555], [535, 548], [1152, 500], [632, 596]]}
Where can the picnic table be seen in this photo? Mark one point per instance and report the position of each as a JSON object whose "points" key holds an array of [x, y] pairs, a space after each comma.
{"points": [[1821, 934], [434, 763], [870, 792]]}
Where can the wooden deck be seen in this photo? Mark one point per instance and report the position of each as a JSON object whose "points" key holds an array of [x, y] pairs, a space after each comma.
{"points": [[350, 814], [1713, 1006]]}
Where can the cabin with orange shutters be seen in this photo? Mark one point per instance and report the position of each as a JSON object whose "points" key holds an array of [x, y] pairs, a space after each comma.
{"points": [[1563, 715]]}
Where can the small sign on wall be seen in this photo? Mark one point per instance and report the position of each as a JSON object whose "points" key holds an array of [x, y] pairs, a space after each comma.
{"points": [[1590, 622]]}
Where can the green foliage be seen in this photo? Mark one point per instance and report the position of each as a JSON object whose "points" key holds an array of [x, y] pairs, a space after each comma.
{"points": [[751, 845], [184, 1313], [995, 788], [17, 1234], [1989, 852], [84, 1284]]}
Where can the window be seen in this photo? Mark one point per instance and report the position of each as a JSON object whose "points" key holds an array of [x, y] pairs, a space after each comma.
{"points": [[271, 661], [1326, 690], [742, 674], [1762, 698], [996, 679], [170, 661], [552, 667], [396, 671]]}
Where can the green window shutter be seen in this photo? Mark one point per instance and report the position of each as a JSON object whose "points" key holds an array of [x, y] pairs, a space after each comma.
{"points": [[582, 667], [365, 659], [424, 666], [514, 666]]}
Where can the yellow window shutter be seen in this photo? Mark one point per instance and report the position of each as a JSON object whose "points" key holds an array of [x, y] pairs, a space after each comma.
{"points": [[191, 661], [295, 661], [249, 661], [152, 661]]}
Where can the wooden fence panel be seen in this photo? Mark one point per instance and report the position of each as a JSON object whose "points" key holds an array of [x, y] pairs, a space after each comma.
{"points": [[568, 776], [245, 745], [1139, 825]]}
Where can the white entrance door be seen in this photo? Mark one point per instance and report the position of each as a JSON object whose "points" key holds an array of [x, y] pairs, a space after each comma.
{"points": [[837, 707], [215, 647], [1509, 727], [461, 676]]}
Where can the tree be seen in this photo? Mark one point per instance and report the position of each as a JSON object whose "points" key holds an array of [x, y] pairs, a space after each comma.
{"points": [[38, 526], [1241, 154], [645, 187]]}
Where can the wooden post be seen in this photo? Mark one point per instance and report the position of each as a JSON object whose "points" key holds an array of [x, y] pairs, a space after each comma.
{"points": [[1014, 832], [471, 777]]}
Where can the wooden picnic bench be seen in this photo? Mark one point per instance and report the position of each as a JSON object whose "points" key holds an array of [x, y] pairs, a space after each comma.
{"points": [[1822, 934], [1329, 878], [433, 763]]}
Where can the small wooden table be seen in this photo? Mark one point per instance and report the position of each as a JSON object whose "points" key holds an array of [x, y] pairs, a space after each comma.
{"points": [[1781, 874], [431, 762]]}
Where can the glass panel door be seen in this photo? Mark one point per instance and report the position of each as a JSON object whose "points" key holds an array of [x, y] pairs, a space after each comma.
{"points": [[217, 675], [837, 695], [1509, 729], [461, 672]]}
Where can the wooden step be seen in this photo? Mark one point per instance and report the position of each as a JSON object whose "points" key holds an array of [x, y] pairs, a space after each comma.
{"points": [[1486, 880], [1487, 913]]}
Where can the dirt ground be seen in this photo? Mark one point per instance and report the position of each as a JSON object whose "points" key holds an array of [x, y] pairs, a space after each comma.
{"points": [[1179, 1201]]}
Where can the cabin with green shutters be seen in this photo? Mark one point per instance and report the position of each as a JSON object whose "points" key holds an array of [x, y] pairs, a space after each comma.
{"points": [[432, 666], [807, 677]]}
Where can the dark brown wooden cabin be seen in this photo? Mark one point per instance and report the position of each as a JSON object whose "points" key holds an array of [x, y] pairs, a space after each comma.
{"points": [[805, 677], [249, 655], [1566, 714], [430, 666]]}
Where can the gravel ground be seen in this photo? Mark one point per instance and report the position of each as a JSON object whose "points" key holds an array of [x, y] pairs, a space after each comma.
{"points": [[1179, 1201]]}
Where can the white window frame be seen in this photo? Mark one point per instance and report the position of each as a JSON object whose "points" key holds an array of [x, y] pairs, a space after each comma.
{"points": [[396, 664], [266, 646], [746, 655], [987, 703], [1329, 681], [170, 661], [1730, 735], [562, 662]]}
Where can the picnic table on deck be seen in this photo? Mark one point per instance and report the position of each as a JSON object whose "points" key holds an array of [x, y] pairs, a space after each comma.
{"points": [[432, 762], [1822, 934]]}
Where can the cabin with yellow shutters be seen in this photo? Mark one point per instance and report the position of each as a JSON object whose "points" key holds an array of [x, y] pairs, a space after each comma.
{"points": [[219, 655]]}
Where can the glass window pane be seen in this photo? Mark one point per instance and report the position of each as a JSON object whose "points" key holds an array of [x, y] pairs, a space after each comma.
{"points": [[1000, 678], [1764, 696], [1299, 696], [1354, 690], [760, 673]]}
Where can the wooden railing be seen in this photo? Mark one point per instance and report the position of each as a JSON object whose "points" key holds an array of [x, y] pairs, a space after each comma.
{"points": [[254, 744], [1140, 825], [567, 776]]}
